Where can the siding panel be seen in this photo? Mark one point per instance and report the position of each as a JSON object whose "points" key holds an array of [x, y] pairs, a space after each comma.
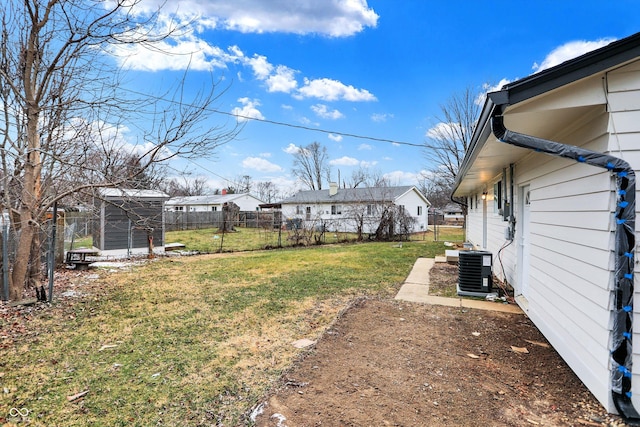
{"points": [[593, 238], [592, 264], [598, 220], [581, 202], [570, 237]]}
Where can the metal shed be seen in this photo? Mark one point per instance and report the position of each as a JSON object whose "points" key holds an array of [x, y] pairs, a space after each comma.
{"points": [[129, 220]]}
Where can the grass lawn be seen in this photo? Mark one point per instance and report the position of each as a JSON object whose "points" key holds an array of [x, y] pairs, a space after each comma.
{"points": [[188, 340], [243, 239]]}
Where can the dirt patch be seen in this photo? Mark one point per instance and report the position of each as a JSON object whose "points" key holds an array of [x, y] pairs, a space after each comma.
{"points": [[443, 278], [386, 362]]}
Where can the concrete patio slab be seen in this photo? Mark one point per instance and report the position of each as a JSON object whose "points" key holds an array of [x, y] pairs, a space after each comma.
{"points": [[416, 289]]}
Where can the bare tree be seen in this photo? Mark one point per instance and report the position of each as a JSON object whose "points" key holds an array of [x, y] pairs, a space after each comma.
{"points": [[64, 112], [186, 186], [437, 189], [240, 185], [448, 141], [267, 191], [394, 221], [311, 165], [377, 179], [359, 177]]}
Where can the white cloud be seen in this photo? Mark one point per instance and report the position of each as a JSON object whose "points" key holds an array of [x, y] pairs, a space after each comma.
{"points": [[487, 87], [367, 164], [113, 138], [283, 80], [287, 185], [291, 148], [443, 130], [260, 66], [248, 110], [277, 78], [387, 158], [569, 51], [381, 117], [332, 90], [308, 122], [338, 18], [265, 155], [186, 48], [260, 164], [402, 178], [344, 161], [322, 111], [364, 147], [179, 53], [334, 137]]}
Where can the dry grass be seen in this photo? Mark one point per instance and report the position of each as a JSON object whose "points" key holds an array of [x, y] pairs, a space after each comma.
{"points": [[443, 279], [191, 340]]}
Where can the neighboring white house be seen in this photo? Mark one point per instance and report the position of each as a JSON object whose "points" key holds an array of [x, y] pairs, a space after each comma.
{"points": [[341, 209], [549, 183], [212, 203], [453, 214]]}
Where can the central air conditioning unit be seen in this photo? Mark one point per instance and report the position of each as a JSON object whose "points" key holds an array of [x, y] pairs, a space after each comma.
{"points": [[474, 273]]}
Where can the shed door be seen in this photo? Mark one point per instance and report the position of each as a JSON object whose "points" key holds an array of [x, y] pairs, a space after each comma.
{"points": [[524, 245]]}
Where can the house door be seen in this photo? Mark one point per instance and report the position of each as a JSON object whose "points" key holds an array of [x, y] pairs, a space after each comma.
{"points": [[524, 245], [308, 213]]}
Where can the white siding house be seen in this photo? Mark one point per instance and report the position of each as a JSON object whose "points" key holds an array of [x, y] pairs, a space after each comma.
{"points": [[550, 189], [342, 209], [245, 201]]}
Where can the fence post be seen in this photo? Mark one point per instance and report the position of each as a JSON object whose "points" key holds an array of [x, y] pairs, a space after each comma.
{"points": [[52, 249], [129, 237], [5, 258]]}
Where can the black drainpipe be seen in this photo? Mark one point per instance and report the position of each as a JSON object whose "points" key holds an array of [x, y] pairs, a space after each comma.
{"points": [[621, 343]]}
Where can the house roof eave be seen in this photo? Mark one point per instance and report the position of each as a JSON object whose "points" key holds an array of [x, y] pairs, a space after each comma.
{"points": [[600, 60], [480, 135], [612, 55]]}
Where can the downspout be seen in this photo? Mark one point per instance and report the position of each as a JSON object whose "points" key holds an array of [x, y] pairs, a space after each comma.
{"points": [[621, 342]]}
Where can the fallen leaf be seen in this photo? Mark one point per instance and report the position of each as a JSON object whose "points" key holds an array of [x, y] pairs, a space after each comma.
{"points": [[538, 343], [473, 356], [77, 395], [475, 334], [106, 346], [588, 423], [303, 343], [521, 350]]}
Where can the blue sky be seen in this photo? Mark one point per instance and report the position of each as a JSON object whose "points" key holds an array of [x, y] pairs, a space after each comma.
{"points": [[377, 68]]}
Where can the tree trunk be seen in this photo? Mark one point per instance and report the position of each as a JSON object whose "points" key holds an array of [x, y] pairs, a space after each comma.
{"points": [[30, 205], [23, 255]]}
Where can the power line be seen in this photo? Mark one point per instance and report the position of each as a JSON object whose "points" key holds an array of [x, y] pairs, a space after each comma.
{"points": [[273, 122], [208, 170], [290, 125]]}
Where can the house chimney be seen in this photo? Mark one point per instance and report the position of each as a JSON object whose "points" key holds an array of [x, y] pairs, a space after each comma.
{"points": [[224, 191], [333, 188]]}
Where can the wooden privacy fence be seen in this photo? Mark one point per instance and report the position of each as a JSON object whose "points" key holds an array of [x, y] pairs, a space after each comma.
{"points": [[176, 220]]}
